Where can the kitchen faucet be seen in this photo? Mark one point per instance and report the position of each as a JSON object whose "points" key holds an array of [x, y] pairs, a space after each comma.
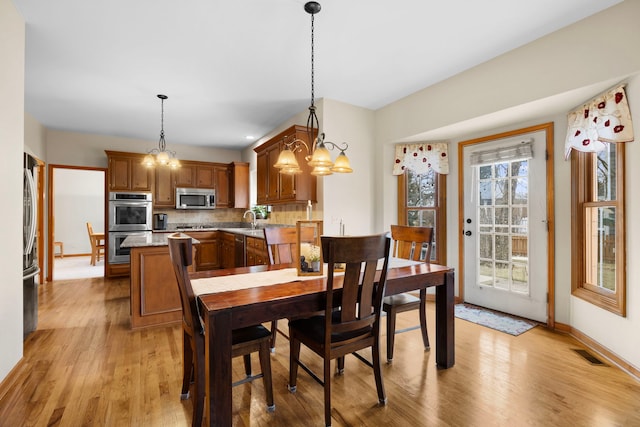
{"points": [[254, 223]]}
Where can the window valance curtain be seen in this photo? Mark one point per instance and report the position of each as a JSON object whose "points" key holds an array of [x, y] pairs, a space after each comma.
{"points": [[522, 151], [604, 119], [422, 157]]}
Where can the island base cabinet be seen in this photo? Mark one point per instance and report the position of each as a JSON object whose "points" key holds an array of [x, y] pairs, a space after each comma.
{"points": [[155, 299]]}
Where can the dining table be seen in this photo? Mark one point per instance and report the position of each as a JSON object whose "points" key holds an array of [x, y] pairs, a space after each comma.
{"points": [[237, 297]]}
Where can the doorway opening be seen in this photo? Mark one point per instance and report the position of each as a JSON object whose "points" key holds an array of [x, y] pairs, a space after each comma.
{"points": [[76, 197]]}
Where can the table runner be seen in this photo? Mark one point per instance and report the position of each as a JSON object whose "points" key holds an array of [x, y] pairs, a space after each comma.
{"points": [[234, 282]]}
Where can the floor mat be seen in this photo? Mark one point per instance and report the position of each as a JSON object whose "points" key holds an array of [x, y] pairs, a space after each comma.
{"points": [[494, 320]]}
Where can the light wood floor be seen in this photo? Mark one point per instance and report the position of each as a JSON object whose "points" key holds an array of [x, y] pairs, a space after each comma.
{"points": [[84, 367]]}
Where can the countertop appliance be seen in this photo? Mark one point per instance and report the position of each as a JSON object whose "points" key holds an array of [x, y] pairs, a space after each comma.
{"points": [[129, 213], [195, 198], [160, 221], [30, 267]]}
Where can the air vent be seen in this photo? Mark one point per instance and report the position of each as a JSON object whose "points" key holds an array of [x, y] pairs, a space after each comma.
{"points": [[589, 357]]}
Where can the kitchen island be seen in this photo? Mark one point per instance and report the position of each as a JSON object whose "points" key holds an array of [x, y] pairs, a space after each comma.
{"points": [[154, 296]]}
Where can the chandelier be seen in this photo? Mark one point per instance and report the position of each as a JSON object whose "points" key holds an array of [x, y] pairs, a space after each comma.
{"points": [[161, 155], [318, 158]]}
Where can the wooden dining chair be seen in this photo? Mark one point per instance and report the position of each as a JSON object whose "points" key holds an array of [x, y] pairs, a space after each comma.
{"points": [[282, 248], [97, 244], [412, 243], [350, 322], [244, 341]]}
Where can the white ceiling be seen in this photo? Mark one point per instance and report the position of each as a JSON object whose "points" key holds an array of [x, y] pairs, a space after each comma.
{"points": [[242, 67]]}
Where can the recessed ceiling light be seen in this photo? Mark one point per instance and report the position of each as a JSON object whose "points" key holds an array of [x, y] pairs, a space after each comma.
{"points": [[250, 137]]}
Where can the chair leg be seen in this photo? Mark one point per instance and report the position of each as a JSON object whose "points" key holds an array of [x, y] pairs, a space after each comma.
{"points": [[391, 333], [187, 364], [294, 356], [327, 391], [247, 364], [274, 334], [199, 394], [423, 318], [377, 373], [265, 366], [93, 257], [340, 365]]}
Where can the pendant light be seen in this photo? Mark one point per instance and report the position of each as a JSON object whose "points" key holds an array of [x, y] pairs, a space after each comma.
{"points": [[319, 157], [161, 155]]}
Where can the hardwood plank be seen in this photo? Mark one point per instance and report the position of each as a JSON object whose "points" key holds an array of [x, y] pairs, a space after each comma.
{"points": [[85, 367]]}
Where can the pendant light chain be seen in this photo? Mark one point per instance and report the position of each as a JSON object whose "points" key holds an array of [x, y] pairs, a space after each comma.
{"points": [[162, 142], [312, 62]]}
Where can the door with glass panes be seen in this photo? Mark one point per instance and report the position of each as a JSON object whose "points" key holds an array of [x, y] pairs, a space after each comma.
{"points": [[505, 225]]}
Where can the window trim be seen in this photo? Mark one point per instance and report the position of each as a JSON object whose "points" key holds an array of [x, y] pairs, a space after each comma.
{"points": [[441, 213], [581, 188]]}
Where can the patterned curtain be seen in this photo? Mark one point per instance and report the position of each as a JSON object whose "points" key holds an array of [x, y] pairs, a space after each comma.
{"points": [[604, 119], [421, 157]]}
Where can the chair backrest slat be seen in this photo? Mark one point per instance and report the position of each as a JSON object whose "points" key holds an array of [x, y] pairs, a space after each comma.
{"points": [[362, 285], [282, 244], [412, 242]]}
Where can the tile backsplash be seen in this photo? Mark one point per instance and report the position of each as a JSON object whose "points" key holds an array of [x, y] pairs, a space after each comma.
{"points": [[285, 214]]}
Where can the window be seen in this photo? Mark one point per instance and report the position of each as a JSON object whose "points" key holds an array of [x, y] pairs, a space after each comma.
{"points": [[598, 229], [421, 202]]}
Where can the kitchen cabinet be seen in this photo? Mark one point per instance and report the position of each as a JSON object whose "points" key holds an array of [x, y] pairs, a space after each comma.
{"points": [[207, 251], [127, 173], [185, 176], [164, 194], [206, 176], [221, 175], [276, 188], [256, 251], [227, 250], [239, 185], [195, 175]]}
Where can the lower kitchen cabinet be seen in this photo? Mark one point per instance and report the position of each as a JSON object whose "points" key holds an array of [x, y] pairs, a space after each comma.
{"points": [[256, 251], [207, 252], [227, 250]]}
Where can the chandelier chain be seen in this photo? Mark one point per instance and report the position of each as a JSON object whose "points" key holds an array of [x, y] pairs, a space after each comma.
{"points": [[312, 61], [162, 142]]}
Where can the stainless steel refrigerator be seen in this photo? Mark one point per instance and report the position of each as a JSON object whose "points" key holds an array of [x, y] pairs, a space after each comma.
{"points": [[30, 267]]}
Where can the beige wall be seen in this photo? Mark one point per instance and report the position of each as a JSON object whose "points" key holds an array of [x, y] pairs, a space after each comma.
{"points": [[34, 137], [509, 86], [81, 149], [12, 47]]}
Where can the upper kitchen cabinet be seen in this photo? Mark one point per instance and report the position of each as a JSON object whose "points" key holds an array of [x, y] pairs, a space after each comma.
{"points": [[164, 193], [276, 188], [127, 173], [239, 184], [223, 196], [195, 175]]}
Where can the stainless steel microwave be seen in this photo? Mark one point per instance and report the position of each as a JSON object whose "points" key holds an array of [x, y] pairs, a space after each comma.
{"points": [[195, 198]]}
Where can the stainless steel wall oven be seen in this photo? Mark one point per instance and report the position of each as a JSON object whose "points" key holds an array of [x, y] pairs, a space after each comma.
{"points": [[129, 214]]}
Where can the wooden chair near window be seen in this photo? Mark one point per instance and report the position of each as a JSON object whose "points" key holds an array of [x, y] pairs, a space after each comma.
{"points": [[351, 323], [245, 341], [282, 248], [412, 243], [97, 244]]}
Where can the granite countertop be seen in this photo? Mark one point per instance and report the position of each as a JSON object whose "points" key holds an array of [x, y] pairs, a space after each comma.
{"points": [[159, 237], [150, 239]]}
